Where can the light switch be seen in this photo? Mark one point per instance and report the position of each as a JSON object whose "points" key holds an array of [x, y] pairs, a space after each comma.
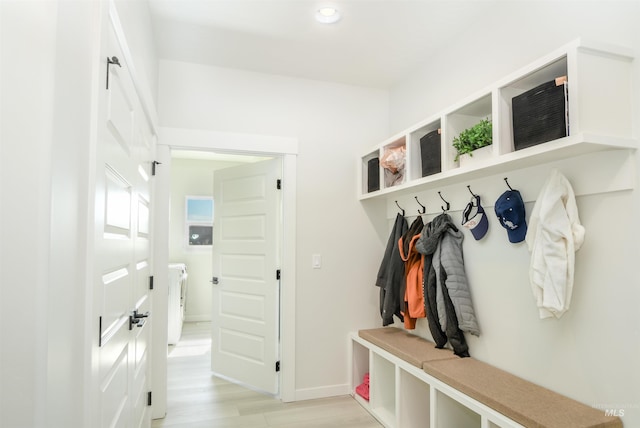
{"points": [[316, 261]]}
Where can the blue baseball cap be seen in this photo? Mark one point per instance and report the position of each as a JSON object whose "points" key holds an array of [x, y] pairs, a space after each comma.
{"points": [[475, 219], [510, 211]]}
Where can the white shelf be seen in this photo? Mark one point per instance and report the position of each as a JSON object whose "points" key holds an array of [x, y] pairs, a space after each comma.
{"points": [[563, 148], [404, 396], [599, 115]]}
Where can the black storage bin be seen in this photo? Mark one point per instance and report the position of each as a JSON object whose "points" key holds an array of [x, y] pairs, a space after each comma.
{"points": [[540, 115], [373, 175], [430, 153]]}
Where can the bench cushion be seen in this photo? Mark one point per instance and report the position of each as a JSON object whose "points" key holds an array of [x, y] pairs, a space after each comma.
{"points": [[524, 402], [406, 346]]}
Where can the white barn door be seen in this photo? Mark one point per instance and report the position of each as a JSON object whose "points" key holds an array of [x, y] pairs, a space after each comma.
{"points": [[246, 256], [121, 262]]}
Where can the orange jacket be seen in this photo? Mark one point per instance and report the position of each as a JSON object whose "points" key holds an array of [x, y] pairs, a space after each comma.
{"points": [[414, 267]]}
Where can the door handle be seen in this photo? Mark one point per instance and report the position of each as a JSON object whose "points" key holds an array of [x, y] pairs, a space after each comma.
{"points": [[115, 61], [137, 319], [214, 280], [138, 316]]}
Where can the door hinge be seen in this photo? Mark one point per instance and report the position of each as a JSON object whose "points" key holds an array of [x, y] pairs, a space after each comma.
{"points": [[277, 366], [100, 332], [153, 167], [278, 274], [151, 282], [279, 184], [149, 398]]}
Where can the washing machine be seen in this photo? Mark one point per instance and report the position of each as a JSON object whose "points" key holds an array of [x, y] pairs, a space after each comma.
{"points": [[177, 300]]}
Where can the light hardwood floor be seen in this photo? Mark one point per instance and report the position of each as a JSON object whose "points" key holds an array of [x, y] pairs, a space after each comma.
{"points": [[197, 399]]}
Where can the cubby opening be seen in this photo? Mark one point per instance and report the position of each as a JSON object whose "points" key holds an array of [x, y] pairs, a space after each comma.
{"points": [[425, 151], [450, 413], [394, 153], [414, 407], [463, 118], [553, 70], [382, 390], [360, 367], [370, 172]]}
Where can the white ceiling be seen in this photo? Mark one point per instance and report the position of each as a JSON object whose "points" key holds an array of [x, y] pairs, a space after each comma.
{"points": [[376, 43]]}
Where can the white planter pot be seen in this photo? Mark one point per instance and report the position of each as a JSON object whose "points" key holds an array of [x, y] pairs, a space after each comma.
{"points": [[479, 155]]}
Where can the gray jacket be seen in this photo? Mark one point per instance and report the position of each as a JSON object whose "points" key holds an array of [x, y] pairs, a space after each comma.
{"points": [[445, 243]]}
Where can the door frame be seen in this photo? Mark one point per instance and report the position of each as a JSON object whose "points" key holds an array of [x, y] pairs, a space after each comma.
{"points": [[242, 144]]}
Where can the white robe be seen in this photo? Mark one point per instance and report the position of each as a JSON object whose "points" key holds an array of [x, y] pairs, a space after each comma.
{"points": [[553, 237]]}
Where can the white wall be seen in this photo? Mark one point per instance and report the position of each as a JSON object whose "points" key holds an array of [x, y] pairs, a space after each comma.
{"points": [[27, 93], [592, 352], [332, 123], [192, 178]]}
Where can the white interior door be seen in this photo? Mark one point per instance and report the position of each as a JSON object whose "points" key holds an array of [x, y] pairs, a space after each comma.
{"points": [[246, 255], [122, 264]]}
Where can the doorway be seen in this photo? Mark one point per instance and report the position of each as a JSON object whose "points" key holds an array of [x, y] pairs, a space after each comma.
{"points": [[236, 197], [191, 187], [206, 142]]}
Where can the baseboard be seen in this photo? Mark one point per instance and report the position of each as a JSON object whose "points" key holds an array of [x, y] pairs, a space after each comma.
{"points": [[322, 392]]}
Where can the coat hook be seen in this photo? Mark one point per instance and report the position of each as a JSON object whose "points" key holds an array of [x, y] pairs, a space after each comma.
{"points": [[401, 209], [472, 194], [505, 180], [445, 201], [424, 209]]}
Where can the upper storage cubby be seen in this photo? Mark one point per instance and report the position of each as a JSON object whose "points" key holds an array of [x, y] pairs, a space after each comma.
{"points": [[393, 157], [370, 172], [464, 117], [531, 95], [425, 150], [574, 101]]}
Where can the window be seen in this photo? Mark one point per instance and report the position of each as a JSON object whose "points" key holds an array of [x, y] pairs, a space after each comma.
{"points": [[199, 220]]}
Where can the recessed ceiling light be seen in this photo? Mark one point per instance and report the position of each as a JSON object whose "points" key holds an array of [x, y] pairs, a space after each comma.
{"points": [[327, 15]]}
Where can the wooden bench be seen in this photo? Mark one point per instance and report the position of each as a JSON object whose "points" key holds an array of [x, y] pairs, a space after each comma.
{"points": [[522, 401]]}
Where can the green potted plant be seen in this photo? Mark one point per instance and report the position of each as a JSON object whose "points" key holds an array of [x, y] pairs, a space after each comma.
{"points": [[476, 137]]}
